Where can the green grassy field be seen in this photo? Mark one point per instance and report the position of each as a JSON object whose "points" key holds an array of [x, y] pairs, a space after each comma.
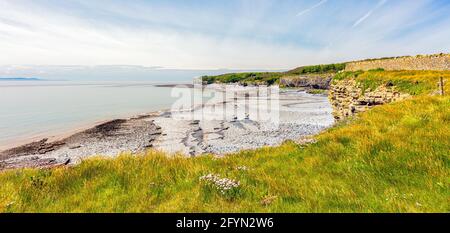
{"points": [[393, 158], [269, 78], [411, 82]]}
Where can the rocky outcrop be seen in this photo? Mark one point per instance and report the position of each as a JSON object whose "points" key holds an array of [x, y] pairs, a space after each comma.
{"points": [[307, 81], [347, 97], [39, 147], [107, 139], [419, 62]]}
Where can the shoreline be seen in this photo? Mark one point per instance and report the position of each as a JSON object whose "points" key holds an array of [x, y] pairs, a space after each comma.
{"points": [[57, 136], [54, 135], [301, 115], [46, 152], [60, 135]]}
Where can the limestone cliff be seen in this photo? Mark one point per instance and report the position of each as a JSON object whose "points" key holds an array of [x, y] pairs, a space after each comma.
{"points": [[347, 97], [321, 81]]}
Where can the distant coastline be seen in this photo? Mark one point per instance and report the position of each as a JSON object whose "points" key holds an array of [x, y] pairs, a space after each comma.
{"points": [[20, 79]]}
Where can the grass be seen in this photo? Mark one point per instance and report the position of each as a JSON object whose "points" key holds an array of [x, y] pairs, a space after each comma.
{"points": [[411, 82], [269, 78], [393, 158], [318, 69]]}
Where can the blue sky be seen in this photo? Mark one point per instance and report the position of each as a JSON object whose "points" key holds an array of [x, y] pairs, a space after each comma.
{"points": [[228, 34]]}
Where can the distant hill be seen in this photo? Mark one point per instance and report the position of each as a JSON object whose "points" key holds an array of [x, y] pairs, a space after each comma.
{"points": [[269, 78], [20, 79]]}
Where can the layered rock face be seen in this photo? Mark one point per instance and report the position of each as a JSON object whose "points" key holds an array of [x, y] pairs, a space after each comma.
{"points": [[347, 97], [428, 62], [308, 81]]}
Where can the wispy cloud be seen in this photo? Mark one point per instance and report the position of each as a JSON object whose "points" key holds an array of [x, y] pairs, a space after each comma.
{"points": [[311, 8], [369, 13], [235, 35]]}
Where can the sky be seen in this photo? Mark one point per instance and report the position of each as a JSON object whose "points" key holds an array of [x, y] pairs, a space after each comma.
{"points": [[42, 35]]}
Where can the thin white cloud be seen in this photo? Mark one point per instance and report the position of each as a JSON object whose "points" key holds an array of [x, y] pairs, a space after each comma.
{"points": [[41, 35], [311, 8], [369, 13]]}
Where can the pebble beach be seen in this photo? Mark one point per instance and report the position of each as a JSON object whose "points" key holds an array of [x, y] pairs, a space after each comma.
{"points": [[299, 115]]}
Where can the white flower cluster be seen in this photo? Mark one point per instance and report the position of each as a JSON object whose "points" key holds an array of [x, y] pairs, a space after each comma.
{"points": [[221, 184]]}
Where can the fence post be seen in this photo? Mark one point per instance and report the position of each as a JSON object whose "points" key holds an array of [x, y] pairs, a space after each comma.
{"points": [[441, 85]]}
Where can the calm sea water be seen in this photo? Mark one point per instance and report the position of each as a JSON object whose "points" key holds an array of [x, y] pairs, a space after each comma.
{"points": [[43, 108]]}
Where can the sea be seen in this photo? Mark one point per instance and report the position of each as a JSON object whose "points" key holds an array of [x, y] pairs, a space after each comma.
{"points": [[34, 109]]}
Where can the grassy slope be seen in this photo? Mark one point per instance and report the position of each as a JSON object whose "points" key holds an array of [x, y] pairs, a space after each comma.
{"points": [[411, 82], [394, 158]]}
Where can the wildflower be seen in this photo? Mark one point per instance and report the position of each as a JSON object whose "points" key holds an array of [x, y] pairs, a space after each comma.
{"points": [[223, 185]]}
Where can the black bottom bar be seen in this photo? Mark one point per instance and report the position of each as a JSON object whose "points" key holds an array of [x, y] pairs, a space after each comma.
{"points": [[223, 222]]}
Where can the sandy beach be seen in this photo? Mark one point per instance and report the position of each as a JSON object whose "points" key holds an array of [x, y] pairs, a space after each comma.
{"points": [[299, 115]]}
